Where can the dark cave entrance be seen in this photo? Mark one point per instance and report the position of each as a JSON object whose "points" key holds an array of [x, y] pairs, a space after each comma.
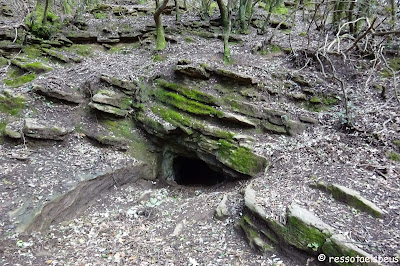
{"points": [[190, 171]]}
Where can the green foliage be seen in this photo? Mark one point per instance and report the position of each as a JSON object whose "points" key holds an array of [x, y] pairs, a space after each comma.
{"points": [[185, 104], [11, 105]]}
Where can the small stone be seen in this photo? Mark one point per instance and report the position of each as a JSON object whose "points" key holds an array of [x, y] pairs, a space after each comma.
{"points": [[12, 132], [222, 211]]}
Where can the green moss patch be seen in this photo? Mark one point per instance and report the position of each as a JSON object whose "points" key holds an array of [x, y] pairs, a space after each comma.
{"points": [[80, 49], [321, 102], [3, 61], [32, 51], [188, 92], [11, 105], [17, 78], [394, 64], [187, 123], [182, 103], [35, 67], [393, 156]]}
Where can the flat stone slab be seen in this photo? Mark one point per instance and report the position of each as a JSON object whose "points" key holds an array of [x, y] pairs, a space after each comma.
{"points": [[192, 71], [235, 76], [354, 199], [109, 109], [112, 98], [42, 129], [64, 93], [237, 119]]}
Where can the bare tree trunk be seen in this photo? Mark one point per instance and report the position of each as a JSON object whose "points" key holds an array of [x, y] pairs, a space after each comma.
{"points": [[160, 42]]}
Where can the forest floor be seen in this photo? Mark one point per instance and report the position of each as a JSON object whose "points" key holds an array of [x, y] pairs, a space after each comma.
{"points": [[154, 223]]}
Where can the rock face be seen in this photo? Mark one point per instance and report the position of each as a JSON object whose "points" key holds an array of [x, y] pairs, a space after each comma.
{"points": [[41, 129], [303, 230]]}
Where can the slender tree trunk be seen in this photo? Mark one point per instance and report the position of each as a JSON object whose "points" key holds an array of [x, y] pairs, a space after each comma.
{"points": [[393, 8], [46, 9], [160, 42], [351, 16], [224, 13], [227, 32], [177, 14]]}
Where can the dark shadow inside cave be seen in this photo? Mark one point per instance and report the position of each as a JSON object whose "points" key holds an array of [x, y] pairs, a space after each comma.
{"points": [[190, 171]]}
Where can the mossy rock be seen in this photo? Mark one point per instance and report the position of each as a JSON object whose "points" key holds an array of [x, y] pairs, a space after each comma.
{"points": [[254, 236], [182, 103], [241, 159], [306, 231], [35, 67], [188, 92], [354, 199]]}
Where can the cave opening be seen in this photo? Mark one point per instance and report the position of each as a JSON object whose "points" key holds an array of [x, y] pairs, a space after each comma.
{"points": [[190, 171]]}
